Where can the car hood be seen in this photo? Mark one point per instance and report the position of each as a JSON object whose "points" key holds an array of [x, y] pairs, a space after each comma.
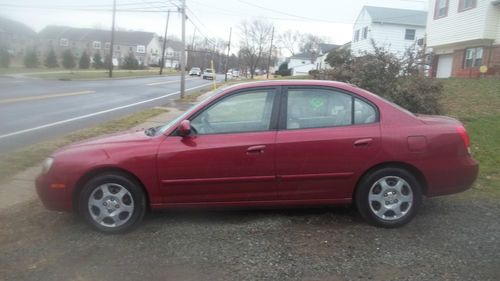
{"points": [[106, 140]]}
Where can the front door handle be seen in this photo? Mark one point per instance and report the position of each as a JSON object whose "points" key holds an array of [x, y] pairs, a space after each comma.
{"points": [[257, 149], [363, 142]]}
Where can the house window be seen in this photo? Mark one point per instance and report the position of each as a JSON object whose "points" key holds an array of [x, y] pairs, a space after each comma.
{"points": [[356, 36], [141, 49], [466, 5], [441, 9], [96, 44], [410, 34], [63, 42], [107, 45], [473, 57], [365, 32]]}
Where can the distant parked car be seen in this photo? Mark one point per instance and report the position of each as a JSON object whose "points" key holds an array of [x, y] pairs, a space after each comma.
{"points": [[195, 71], [209, 74], [233, 73], [272, 143]]}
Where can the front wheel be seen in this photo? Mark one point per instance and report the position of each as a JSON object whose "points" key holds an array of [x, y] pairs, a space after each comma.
{"points": [[388, 197], [112, 203]]}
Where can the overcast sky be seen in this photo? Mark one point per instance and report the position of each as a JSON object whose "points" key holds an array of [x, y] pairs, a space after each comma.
{"points": [[331, 19]]}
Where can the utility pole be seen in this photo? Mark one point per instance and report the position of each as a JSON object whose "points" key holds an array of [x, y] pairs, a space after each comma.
{"points": [[270, 53], [112, 41], [164, 44], [183, 50], [227, 57]]}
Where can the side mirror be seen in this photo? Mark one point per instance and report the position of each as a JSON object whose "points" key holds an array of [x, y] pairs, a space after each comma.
{"points": [[184, 128]]}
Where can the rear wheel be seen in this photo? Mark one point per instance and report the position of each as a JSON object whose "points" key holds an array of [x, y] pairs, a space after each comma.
{"points": [[112, 203], [388, 197]]}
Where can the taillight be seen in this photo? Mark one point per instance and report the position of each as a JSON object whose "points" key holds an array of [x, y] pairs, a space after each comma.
{"points": [[465, 137]]}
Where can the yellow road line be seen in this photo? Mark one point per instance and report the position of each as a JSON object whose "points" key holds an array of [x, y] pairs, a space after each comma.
{"points": [[40, 97], [166, 82]]}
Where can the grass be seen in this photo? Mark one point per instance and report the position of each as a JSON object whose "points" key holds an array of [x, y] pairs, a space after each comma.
{"points": [[476, 102], [97, 74], [17, 161]]}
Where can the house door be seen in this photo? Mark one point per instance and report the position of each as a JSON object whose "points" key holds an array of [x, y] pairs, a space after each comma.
{"points": [[445, 63]]}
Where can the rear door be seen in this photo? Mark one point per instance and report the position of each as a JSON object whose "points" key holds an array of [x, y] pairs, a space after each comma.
{"points": [[326, 137]]}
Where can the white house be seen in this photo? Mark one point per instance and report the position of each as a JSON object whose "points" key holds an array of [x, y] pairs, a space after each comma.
{"points": [[302, 63], [464, 35], [394, 29]]}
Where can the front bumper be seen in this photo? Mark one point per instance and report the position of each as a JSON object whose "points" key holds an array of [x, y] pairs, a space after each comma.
{"points": [[54, 197]]}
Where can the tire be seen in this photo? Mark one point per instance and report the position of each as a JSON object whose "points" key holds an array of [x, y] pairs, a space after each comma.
{"points": [[388, 197], [112, 203]]}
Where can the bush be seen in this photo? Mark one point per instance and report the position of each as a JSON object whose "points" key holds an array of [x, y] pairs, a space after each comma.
{"points": [[97, 64], [68, 60], [51, 59], [31, 59], [418, 94], [4, 58], [384, 74], [130, 62], [84, 62], [283, 70]]}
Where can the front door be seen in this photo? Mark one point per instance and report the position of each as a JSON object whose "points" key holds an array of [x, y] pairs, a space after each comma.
{"points": [[326, 137], [231, 155]]}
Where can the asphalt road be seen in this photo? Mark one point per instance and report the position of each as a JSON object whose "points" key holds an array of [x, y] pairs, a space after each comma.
{"points": [[33, 110], [451, 238]]}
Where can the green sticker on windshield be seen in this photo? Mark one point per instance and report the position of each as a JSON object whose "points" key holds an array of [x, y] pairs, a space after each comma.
{"points": [[316, 103]]}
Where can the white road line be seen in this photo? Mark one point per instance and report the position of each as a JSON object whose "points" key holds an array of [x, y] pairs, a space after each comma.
{"points": [[95, 113]]}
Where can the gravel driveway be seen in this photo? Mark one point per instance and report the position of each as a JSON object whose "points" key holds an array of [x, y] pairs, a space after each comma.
{"points": [[452, 238]]}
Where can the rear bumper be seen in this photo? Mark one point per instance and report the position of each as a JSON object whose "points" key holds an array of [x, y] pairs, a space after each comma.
{"points": [[453, 177]]}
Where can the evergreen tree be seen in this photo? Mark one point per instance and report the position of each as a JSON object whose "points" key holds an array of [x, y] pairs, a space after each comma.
{"points": [[4, 58], [68, 60], [130, 62], [98, 64], [84, 62], [51, 59], [31, 59]]}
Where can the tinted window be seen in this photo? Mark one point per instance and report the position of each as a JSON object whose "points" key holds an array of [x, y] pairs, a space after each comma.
{"points": [[316, 108], [243, 112], [364, 113]]}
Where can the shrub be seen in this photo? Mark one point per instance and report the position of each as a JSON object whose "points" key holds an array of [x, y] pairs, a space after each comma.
{"points": [[384, 74], [68, 60], [97, 64], [84, 62], [51, 59], [31, 59], [4, 58], [283, 70], [130, 62], [418, 94]]}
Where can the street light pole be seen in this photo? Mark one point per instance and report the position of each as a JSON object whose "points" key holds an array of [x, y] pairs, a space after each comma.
{"points": [[112, 42], [270, 53], [164, 44], [227, 57], [183, 50]]}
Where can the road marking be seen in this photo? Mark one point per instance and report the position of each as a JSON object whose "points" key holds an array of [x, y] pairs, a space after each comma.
{"points": [[167, 82], [41, 97], [96, 113]]}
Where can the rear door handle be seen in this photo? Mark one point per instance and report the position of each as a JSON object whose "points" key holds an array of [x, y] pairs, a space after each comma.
{"points": [[363, 142], [256, 149]]}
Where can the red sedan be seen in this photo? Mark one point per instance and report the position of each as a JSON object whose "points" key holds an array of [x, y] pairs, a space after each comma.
{"points": [[274, 143]]}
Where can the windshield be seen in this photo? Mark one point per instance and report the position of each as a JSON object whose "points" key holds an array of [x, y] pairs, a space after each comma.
{"points": [[208, 71]]}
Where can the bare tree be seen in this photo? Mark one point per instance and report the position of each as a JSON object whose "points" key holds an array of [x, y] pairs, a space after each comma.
{"points": [[309, 44], [255, 42], [290, 41]]}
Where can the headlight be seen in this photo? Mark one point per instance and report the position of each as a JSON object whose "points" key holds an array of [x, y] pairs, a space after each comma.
{"points": [[47, 164]]}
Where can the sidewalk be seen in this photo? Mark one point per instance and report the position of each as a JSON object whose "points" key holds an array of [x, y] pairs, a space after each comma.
{"points": [[21, 188]]}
